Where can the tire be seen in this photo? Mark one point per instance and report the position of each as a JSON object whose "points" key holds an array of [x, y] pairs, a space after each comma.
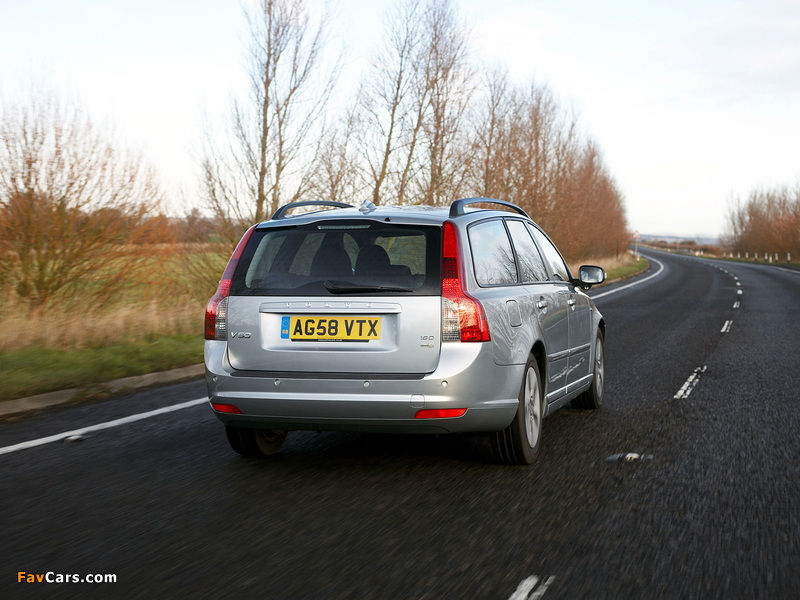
{"points": [[518, 444], [593, 397], [255, 443]]}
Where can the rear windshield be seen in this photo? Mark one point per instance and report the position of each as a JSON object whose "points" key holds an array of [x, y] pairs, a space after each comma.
{"points": [[336, 258]]}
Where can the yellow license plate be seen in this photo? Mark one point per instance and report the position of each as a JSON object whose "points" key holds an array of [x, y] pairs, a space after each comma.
{"points": [[331, 329]]}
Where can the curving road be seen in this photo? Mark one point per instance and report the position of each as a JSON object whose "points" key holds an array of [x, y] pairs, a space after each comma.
{"points": [[702, 369]]}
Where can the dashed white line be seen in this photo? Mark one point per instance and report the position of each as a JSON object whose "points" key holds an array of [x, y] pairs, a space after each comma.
{"points": [[737, 304], [524, 588], [540, 592], [527, 585], [726, 327], [690, 384], [100, 426]]}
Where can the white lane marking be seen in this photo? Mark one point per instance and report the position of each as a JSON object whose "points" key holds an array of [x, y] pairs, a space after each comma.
{"points": [[726, 327], [690, 384], [630, 285], [524, 588], [527, 585], [540, 592], [100, 426], [739, 292], [737, 304], [794, 271]]}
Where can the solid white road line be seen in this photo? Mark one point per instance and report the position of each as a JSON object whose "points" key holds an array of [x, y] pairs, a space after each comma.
{"points": [[100, 426], [630, 285]]}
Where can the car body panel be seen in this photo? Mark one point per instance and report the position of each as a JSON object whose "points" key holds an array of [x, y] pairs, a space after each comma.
{"points": [[409, 334], [581, 338], [466, 377], [553, 314]]}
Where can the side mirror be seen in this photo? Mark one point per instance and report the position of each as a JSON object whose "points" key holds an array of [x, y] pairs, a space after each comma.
{"points": [[589, 276]]}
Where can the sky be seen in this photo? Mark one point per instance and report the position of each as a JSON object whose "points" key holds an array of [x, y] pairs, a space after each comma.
{"points": [[693, 102]]}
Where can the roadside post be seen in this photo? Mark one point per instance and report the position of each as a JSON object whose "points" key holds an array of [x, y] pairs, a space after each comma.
{"points": [[636, 237]]}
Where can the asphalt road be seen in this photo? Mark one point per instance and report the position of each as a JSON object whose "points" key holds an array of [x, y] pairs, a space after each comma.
{"points": [[702, 373]]}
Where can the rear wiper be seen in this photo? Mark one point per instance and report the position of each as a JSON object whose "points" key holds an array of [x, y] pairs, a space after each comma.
{"points": [[345, 287]]}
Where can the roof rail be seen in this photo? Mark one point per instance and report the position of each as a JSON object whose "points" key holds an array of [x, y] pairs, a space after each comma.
{"points": [[457, 207], [281, 212]]}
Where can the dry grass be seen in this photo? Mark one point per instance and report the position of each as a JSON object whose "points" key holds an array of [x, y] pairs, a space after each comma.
{"points": [[83, 329], [610, 264], [56, 328]]}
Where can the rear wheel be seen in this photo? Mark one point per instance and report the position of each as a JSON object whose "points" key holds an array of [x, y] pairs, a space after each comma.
{"points": [[518, 443], [255, 442], [593, 397]]}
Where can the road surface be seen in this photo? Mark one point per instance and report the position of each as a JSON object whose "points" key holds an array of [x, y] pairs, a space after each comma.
{"points": [[702, 372]]}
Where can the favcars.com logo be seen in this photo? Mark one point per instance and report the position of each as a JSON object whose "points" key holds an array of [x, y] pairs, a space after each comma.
{"points": [[51, 577]]}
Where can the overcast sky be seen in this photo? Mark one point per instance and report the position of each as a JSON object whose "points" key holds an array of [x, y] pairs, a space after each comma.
{"points": [[693, 102]]}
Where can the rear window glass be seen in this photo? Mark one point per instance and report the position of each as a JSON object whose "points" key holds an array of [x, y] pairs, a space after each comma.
{"points": [[530, 261], [492, 256], [340, 258]]}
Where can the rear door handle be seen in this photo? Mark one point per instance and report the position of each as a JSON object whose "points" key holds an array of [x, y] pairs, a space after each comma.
{"points": [[542, 304], [571, 302]]}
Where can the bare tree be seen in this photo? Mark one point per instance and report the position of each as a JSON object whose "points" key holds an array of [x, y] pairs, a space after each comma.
{"points": [[767, 221], [448, 77], [414, 103], [78, 214], [337, 176], [493, 139], [412, 135], [529, 150], [270, 156], [392, 119]]}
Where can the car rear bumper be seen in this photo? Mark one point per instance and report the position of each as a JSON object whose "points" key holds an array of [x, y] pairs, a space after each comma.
{"points": [[367, 402]]}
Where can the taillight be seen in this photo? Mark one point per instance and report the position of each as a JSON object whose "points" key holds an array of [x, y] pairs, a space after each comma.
{"points": [[226, 408], [463, 317], [217, 307], [440, 413]]}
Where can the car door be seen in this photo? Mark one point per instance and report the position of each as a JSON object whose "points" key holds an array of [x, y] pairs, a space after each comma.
{"points": [[574, 304], [545, 306], [580, 339]]}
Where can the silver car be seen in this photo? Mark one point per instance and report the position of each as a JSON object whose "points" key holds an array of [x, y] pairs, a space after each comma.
{"points": [[401, 319]]}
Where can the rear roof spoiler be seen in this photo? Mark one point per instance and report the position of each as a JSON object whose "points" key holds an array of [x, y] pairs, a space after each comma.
{"points": [[457, 207], [281, 212]]}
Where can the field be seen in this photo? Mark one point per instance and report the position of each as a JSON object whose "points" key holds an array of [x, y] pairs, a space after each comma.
{"points": [[155, 329]]}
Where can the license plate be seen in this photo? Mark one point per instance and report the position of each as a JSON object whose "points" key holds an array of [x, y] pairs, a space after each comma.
{"points": [[331, 329]]}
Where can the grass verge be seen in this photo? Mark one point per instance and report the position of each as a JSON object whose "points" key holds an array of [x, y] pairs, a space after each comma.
{"points": [[34, 371], [629, 270]]}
